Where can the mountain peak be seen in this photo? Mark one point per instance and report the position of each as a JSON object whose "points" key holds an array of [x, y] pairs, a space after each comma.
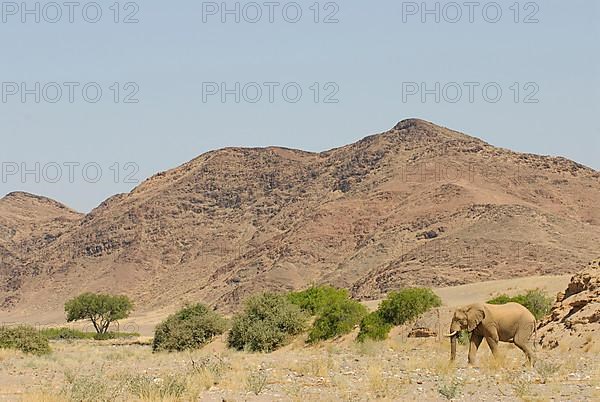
{"points": [[371, 216], [20, 194], [414, 123], [21, 198]]}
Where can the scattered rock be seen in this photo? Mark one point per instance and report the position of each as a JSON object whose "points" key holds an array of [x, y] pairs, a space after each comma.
{"points": [[575, 316], [422, 333]]}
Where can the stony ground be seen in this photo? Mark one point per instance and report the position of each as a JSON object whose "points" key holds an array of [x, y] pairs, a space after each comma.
{"points": [[397, 369]]}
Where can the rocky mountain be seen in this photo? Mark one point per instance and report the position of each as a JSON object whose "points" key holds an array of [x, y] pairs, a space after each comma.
{"points": [[416, 205], [28, 223], [575, 317]]}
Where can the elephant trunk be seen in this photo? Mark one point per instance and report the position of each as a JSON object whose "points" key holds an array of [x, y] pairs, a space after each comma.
{"points": [[453, 347]]}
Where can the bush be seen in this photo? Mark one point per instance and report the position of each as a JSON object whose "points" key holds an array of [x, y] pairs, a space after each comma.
{"points": [[373, 326], [397, 309], [101, 309], [502, 299], [24, 338], [316, 298], [190, 328], [337, 319], [65, 334], [114, 335], [536, 301], [407, 304], [62, 334], [268, 322]]}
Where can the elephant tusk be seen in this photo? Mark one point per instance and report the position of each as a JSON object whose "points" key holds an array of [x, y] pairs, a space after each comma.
{"points": [[451, 335]]}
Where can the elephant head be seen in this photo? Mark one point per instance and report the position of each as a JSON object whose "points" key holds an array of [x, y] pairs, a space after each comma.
{"points": [[466, 318]]}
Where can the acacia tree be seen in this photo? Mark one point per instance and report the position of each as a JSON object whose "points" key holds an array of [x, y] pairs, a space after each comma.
{"points": [[101, 309]]}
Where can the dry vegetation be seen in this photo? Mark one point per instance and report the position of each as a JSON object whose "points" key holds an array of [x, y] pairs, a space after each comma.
{"points": [[396, 369]]}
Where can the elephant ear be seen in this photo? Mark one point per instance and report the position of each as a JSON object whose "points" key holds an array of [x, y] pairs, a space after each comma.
{"points": [[475, 314]]}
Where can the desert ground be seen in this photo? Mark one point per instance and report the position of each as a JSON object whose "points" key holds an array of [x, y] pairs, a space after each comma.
{"points": [[399, 368]]}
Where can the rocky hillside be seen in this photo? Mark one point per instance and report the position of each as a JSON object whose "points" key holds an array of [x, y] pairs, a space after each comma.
{"points": [[575, 318], [28, 223], [419, 204]]}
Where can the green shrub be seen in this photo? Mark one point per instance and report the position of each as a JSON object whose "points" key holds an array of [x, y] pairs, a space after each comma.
{"points": [[268, 322], [407, 304], [24, 338], [536, 301], [337, 319], [502, 299], [316, 298], [336, 313], [190, 328], [101, 309], [63, 334], [114, 335], [373, 326]]}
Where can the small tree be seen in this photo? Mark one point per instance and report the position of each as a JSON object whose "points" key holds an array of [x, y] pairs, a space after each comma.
{"points": [[101, 309]]}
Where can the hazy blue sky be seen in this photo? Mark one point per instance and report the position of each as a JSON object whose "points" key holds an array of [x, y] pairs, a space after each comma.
{"points": [[366, 61]]}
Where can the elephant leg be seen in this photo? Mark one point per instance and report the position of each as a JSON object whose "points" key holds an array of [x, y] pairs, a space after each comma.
{"points": [[493, 344], [522, 342], [473, 346]]}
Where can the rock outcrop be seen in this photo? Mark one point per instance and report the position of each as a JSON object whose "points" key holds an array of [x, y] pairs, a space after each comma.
{"points": [[575, 318]]}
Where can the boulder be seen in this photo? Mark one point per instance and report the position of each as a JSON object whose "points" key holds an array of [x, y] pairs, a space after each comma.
{"points": [[574, 321], [422, 333]]}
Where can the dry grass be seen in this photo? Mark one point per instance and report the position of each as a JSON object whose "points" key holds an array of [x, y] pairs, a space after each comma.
{"points": [[381, 385], [43, 397], [397, 369]]}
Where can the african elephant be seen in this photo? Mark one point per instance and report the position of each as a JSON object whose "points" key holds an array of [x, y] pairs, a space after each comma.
{"points": [[510, 322]]}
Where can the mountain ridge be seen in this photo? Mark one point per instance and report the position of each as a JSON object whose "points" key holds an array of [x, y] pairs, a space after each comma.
{"points": [[371, 216]]}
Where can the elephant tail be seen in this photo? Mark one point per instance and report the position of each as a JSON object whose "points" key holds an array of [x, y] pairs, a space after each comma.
{"points": [[535, 325]]}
